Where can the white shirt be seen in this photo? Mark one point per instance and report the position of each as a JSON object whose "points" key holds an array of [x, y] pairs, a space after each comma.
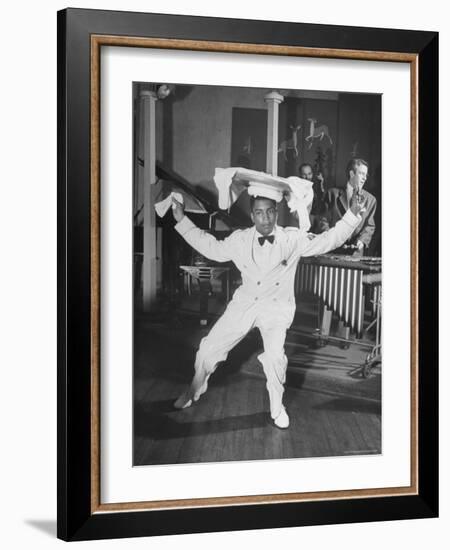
{"points": [[267, 255], [273, 282]]}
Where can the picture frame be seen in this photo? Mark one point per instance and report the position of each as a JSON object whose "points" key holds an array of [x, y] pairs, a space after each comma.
{"points": [[81, 35]]}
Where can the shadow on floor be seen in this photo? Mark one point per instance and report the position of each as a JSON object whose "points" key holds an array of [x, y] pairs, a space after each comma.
{"points": [[348, 404], [156, 422]]}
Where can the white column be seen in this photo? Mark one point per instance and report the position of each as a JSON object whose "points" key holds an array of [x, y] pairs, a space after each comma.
{"points": [[273, 99], [149, 100]]}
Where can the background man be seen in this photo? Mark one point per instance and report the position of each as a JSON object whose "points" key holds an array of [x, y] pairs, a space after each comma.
{"points": [[335, 203], [267, 256]]}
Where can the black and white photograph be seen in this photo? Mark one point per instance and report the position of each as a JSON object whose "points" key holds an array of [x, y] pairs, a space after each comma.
{"points": [[224, 307], [257, 273]]}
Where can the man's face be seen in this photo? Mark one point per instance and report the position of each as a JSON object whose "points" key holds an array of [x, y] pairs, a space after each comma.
{"points": [[306, 173], [358, 176], [264, 216]]}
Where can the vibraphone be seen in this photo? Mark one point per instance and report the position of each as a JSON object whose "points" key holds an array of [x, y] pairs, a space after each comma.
{"points": [[341, 283]]}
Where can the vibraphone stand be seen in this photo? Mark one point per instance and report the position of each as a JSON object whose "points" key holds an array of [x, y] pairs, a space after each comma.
{"points": [[340, 284], [374, 357]]}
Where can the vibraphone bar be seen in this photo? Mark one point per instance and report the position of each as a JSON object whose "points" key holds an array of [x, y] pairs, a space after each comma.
{"points": [[338, 282]]}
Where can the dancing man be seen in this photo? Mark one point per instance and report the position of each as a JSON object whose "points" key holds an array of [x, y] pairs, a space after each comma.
{"points": [[267, 256]]}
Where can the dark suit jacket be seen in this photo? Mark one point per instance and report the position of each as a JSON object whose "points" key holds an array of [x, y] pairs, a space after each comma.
{"points": [[335, 205]]}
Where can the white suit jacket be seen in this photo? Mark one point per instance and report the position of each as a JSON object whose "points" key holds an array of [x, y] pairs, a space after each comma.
{"points": [[272, 289]]}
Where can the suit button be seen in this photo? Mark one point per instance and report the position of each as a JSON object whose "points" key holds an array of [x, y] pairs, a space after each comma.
{"points": [[277, 284], [258, 283], [256, 299]]}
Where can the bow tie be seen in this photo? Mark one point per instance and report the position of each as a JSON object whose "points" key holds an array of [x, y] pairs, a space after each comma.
{"points": [[270, 238]]}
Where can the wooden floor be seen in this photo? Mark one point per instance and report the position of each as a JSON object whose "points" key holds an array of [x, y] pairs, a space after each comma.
{"points": [[333, 411]]}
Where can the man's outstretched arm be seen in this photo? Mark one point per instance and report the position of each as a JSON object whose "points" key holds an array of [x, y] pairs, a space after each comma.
{"points": [[337, 235], [203, 242]]}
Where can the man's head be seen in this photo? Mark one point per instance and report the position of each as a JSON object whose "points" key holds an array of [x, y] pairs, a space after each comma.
{"points": [[357, 173], [305, 171], [263, 212]]}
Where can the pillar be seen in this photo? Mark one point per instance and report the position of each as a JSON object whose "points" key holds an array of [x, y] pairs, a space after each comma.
{"points": [[273, 99], [149, 100]]}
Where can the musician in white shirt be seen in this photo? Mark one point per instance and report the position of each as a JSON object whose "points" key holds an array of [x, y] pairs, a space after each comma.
{"points": [[267, 256]]}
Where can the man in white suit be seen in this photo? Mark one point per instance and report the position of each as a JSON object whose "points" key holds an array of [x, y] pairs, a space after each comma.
{"points": [[267, 256]]}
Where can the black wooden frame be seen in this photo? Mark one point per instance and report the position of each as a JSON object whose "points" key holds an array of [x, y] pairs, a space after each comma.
{"points": [[75, 519]]}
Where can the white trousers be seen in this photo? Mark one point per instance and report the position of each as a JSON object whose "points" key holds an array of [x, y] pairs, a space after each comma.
{"points": [[228, 331]]}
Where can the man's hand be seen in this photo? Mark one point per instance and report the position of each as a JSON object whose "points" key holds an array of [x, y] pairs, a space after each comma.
{"points": [[177, 210], [357, 202], [359, 252]]}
